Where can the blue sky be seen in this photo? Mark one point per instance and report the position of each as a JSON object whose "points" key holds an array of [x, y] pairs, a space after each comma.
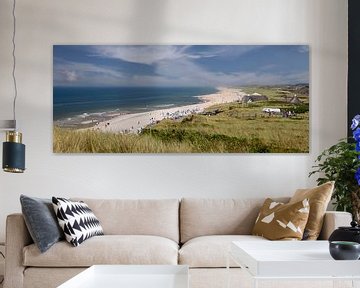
{"points": [[180, 65]]}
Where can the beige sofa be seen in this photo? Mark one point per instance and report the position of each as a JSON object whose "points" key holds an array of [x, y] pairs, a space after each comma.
{"points": [[194, 232]]}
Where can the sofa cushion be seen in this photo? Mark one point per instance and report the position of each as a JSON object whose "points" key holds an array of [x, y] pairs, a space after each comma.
{"points": [[211, 251], [319, 198], [158, 217], [107, 249], [200, 217], [41, 221], [77, 220], [279, 221]]}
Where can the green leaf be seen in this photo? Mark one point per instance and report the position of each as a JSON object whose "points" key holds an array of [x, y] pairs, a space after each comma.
{"points": [[339, 163]]}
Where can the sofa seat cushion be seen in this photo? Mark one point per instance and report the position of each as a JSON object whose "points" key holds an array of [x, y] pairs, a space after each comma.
{"points": [[107, 249], [211, 251], [206, 217], [159, 217]]}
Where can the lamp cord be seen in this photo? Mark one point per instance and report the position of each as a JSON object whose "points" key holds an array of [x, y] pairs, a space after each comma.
{"points": [[2, 280], [14, 60]]}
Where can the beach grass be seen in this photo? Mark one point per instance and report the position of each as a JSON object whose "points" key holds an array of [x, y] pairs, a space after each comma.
{"points": [[88, 141], [224, 128]]}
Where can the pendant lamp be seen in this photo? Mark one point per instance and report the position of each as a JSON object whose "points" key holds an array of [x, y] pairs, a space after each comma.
{"points": [[13, 159]]}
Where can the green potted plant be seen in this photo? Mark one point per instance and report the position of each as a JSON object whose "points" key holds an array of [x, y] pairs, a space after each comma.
{"points": [[341, 163]]}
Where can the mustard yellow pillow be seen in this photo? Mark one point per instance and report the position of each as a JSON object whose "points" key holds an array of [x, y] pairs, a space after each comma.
{"points": [[319, 198], [279, 221]]}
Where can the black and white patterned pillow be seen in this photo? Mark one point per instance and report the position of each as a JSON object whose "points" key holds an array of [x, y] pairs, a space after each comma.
{"points": [[77, 220]]}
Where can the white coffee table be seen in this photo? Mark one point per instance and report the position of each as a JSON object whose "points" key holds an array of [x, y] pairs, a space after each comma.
{"points": [[285, 260], [131, 276]]}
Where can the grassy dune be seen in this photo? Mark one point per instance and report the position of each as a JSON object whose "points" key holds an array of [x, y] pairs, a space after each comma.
{"points": [[236, 130], [72, 141], [233, 130], [227, 128]]}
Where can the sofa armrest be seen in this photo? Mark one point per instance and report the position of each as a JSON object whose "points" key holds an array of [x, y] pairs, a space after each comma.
{"points": [[17, 237], [333, 220]]}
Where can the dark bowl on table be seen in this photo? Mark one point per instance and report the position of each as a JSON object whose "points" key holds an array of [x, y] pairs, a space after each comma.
{"points": [[344, 250]]}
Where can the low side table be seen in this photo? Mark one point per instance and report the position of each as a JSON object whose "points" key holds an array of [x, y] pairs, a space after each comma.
{"points": [[131, 276], [293, 260]]}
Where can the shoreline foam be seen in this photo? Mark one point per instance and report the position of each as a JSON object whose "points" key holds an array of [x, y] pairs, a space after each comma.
{"points": [[135, 122]]}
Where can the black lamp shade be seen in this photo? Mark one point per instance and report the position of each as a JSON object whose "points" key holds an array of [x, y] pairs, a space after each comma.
{"points": [[13, 157]]}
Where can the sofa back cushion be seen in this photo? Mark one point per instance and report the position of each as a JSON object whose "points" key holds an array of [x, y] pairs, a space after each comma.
{"points": [[159, 217], [200, 217]]}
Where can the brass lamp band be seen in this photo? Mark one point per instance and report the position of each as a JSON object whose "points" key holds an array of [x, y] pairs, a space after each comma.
{"points": [[13, 170], [14, 136]]}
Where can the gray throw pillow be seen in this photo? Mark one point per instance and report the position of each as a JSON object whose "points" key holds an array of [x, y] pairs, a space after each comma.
{"points": [[41, 221]]}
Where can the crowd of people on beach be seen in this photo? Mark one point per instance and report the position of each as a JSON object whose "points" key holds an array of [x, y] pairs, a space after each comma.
{"points": [[156, 118], [180, 113]]}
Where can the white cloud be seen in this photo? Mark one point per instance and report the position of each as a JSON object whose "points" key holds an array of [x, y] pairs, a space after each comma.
{"points": [[303, 49], [70, 76], [152, 54], [141, 54], [67, 72], [186, 73], [233, 50]]}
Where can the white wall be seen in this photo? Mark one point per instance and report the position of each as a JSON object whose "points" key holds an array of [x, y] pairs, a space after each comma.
{"points": [[320, 23]]}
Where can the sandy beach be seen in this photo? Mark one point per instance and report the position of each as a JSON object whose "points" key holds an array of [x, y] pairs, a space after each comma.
{"points": [[134, 123]]}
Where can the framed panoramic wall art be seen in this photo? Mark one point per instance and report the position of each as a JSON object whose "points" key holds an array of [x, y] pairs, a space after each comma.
{"points": [[181, 99]]}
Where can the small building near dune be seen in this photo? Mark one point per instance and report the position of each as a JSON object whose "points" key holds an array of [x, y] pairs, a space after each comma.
{"points": [[271, 110], [253, 98]]}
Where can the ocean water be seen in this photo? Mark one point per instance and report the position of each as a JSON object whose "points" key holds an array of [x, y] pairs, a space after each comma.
{"points": [[70, 102]]}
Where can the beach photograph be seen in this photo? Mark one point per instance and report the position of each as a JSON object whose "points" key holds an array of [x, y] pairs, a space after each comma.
{"points": [[181, 99]]}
